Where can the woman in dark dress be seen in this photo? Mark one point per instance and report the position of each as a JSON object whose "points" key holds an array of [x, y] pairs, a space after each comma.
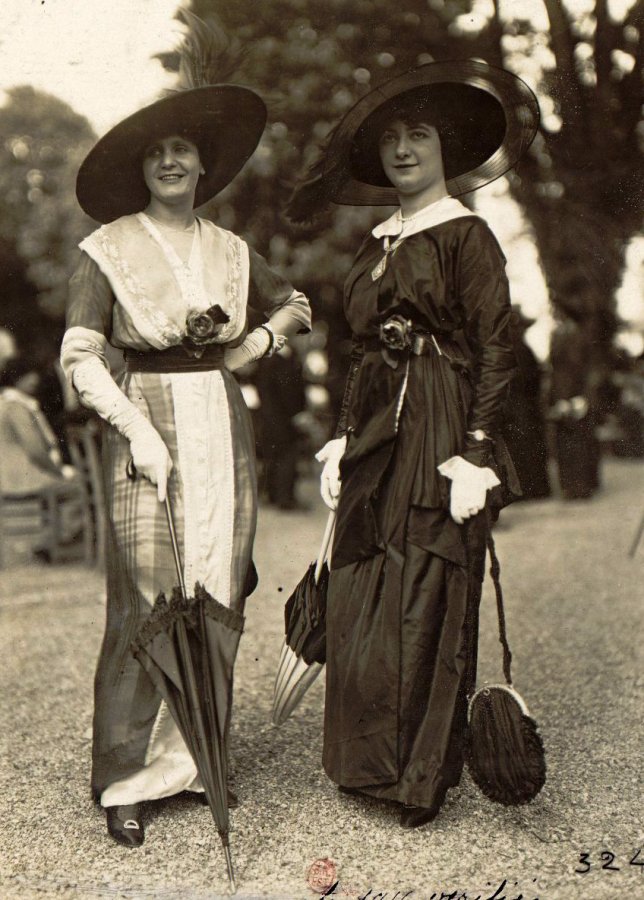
{"points": [[416, 456]]}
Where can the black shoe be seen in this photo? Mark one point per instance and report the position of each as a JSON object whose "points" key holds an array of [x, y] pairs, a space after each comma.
{"points": [[348, 790], [416, 816], [125, 825]]}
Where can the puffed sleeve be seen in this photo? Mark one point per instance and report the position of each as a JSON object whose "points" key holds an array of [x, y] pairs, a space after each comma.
{"points": [[269, 293], [89, 316], [484, 293]]}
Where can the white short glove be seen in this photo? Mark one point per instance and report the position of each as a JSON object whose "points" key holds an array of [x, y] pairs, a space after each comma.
{"points": [[330, 483], [256, 344], [470, 485], [98, 390]]}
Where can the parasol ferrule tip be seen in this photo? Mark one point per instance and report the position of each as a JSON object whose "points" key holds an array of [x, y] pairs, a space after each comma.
{"points": [[229, 866]]}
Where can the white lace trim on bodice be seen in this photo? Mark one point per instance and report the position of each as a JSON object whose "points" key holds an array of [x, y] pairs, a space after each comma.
{"points": [[157, 289]]}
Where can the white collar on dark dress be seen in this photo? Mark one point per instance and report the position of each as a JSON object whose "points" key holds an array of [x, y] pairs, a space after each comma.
{"points": [[434, 214]]}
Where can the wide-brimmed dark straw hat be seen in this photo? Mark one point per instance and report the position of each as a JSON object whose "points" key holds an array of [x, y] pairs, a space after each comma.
{"points": [[486, 118], [224, 120]]}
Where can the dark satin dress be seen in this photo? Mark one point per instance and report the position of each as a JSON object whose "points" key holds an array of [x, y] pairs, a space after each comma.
{"points": [[406, 579]]}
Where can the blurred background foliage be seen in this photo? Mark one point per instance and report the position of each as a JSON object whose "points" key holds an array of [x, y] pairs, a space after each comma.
{"points": [[43, 144], [580, 186]]}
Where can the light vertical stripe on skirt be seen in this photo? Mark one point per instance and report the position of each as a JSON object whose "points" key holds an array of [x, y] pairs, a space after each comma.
{"points": [[205, 424], [205, 454]]}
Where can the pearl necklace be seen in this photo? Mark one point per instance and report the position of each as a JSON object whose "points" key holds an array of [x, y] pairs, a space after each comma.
{"points": [[406, 219]]}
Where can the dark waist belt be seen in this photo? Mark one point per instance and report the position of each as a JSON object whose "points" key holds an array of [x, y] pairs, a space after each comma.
{"points": [[176, 359], [420, 345]]}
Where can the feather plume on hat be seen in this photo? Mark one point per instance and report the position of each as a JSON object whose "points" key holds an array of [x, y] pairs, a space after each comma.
{"points": [[207, 53], [315, 189]]}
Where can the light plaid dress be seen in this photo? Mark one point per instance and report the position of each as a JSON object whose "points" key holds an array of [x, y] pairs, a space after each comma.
{"points": [[137, 751]]}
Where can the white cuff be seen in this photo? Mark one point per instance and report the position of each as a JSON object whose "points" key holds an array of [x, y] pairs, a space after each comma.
{"points": [[255, 345]]}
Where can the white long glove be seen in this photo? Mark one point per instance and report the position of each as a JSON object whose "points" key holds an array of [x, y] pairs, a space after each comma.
{"points": [[470, 485], [98, 390], [330, 482], [255, 345]]}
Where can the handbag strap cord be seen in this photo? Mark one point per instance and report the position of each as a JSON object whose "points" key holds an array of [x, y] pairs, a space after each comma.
{"points": [[495, 572]]}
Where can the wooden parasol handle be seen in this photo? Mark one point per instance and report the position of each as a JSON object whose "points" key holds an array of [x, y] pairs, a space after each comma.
{"points": [[132, 474], [175, 548]]}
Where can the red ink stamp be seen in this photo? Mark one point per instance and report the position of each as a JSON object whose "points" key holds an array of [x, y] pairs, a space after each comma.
{"points": [[322, 875]]}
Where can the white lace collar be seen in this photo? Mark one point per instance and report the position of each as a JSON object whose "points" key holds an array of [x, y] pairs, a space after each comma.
{"points": [[434, 214]]}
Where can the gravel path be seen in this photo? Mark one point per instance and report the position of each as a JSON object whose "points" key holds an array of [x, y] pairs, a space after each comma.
{"points": [[573, 602]]}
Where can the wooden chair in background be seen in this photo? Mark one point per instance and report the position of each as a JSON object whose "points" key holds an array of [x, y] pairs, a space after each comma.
{"points": [[32, 522], [84, 444]]}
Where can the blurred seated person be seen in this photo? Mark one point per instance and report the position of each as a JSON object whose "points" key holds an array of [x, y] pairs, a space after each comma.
{"points": [[280, 385], [524, 430], [30, 457]]}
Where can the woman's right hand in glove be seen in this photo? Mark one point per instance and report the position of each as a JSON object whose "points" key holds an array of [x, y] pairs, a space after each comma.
{"points": [[97, 390], [330, 482], [150, 457]]}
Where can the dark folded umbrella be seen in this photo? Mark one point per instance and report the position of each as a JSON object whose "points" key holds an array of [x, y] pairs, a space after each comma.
{"points": [[305, 616], [504, 751], [304, 651], [188, 647]]}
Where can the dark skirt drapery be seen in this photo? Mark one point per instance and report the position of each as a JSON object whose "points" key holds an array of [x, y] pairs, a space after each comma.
{"points": [[404, 591]]}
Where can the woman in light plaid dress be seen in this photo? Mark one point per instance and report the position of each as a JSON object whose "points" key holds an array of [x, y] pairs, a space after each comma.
{"points": [[171, 290]]}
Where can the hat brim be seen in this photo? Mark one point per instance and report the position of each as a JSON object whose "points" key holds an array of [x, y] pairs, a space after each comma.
{"points": [[224, 121], [486, 100]]}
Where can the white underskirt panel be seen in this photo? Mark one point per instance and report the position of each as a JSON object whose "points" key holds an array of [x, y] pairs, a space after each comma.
{"points": [[206, 464], [206, 467], [168, 768]]}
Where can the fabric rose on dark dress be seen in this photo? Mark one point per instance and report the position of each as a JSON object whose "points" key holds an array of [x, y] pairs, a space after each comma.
{"points": [[395, 333], [202, 326]]}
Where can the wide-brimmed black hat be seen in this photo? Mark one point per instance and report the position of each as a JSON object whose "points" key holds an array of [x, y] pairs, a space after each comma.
{"points": [[486, 117], [224, 120]]}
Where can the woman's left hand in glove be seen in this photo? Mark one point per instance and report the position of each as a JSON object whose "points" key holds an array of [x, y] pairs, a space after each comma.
{"points": [[259, 342], [470, 485], [330, 481]]}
